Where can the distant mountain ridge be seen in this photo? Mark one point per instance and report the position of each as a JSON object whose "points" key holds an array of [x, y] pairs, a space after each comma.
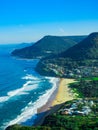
{"points": [[48, 45], [86, 49]]}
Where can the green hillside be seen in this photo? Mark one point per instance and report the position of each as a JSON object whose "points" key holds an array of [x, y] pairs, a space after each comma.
{"points": [[81, 60], [47, 46], [86, 49]]}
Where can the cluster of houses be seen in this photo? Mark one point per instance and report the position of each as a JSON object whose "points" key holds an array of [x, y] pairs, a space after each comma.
{"points": [[81, 71], [58, 70], [79, 107]]}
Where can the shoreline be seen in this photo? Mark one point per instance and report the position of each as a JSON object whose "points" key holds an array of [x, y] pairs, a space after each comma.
{"points": [[58, 97], [64, 94], [43, 111]]}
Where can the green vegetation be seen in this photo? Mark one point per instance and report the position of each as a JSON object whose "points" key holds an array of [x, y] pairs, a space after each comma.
{"points": [[95, 78], [81, 113], [72, 123], [91, 78], [68, 68], [86, 49], [87, 88], [19, 127], [75, 122], [49, 45], [80, 60]]}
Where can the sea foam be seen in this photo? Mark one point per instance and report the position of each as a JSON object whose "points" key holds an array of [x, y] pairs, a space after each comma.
{"points": [[31, 108], [28, 86]]}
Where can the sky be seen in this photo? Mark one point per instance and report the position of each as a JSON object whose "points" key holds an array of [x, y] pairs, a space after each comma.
{"points": [[30, 20]]}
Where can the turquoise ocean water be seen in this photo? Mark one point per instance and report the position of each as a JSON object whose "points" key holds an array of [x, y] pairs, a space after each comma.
{"points": [[22, 90]]}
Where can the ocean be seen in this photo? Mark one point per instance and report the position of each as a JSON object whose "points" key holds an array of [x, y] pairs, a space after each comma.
{"points": [[22, 90]]}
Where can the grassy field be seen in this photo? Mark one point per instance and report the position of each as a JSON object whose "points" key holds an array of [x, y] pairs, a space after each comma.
{"points": [[91, 78]]}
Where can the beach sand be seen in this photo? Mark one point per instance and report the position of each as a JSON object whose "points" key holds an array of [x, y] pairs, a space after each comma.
{"points": [[60, 96], [64, 94]]}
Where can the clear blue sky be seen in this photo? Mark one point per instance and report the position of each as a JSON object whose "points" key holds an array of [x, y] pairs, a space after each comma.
{"points": [[29, 20]]}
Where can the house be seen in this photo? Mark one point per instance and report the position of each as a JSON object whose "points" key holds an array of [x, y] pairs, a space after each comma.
{"points": [[86, 110], [91, 103], [74, 106], [67, 112], [79, 107]]}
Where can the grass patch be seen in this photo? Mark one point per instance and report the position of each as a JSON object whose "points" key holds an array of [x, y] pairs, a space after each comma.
{"points": [[91, 78]]}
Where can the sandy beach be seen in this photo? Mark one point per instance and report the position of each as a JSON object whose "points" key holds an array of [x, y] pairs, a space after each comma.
{"points": [[61, 95]]}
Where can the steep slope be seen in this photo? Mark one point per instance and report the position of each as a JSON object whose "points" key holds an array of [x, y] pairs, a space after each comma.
{"points": [[48, 45], [86, 49], [78, 61]]}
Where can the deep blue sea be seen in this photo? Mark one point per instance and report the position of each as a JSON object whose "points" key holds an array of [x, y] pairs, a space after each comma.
{"points": [[22, 90]]}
